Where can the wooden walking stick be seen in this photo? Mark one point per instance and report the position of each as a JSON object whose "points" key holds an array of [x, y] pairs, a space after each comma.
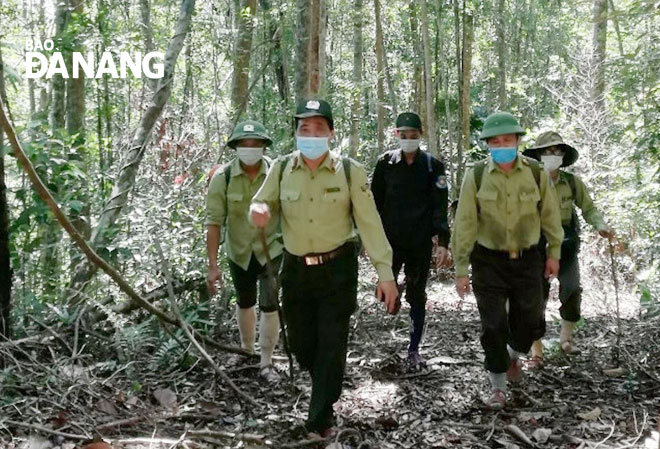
{"points": [[616, 295], [273, 281]]}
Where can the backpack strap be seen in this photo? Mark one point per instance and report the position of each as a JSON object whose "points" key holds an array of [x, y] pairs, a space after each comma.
{"points": [[478, 168], [571, 182], [346, 162], [536, 170], [227, 177]]}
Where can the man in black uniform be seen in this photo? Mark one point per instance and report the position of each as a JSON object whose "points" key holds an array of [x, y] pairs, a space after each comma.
{"points": [[410, 190]]}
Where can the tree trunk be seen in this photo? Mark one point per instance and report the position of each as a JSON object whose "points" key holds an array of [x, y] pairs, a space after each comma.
{"points": [[5, 261], [501, 63], [599, 42], [428, 83], [242, 51], [354, 141], [303, 33], [58, 86], [466, 64], [279, 51], [380, 92], [133, 155], [310, 42]]}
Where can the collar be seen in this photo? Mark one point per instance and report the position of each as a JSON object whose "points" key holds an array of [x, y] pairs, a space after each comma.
{"points": [[518, 164], [237, 168], [331, 161]]}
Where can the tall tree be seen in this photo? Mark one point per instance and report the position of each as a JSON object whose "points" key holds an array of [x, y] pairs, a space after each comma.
{"points": [[5, 264], [279, 50], [380, 67], [501, 63], [428, 82], [599, 43], [354, 140], [134, 153], [466, 68], [242, 51], [310, 47]]}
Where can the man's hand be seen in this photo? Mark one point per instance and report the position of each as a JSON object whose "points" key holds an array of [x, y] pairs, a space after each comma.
{"points": [[387, 291], [260, 214], [442, 257], [462, 286], [213, 276], [551, 268]]}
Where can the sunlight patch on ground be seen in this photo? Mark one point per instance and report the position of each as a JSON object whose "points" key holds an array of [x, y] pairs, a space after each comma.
{"points": [[369, 394]]}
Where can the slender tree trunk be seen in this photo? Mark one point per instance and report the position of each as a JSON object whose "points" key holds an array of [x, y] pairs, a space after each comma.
{"points": [[317, 44], [310, 47], [134, 153], [354, 141], [501, 63], [5, 260], [380, 92], [428, 83], [303, 34], [147, 35], [243, 49], [279, 51], [599, 42], [465, 91], [459, 81], [417, 104], [58, 89]]}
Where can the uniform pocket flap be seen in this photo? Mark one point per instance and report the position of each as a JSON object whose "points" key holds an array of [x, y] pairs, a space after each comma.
{"points": [[235, 197], [289, 195], [488, 195], [530, 196]]}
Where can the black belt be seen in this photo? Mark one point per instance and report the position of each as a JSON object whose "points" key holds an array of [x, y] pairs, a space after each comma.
{"points": [[512, 255], [313, 259]]}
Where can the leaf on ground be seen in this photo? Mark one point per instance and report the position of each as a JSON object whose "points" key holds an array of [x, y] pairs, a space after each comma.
{"points": [[542, 435], [165, 397], [615, 372], [591, 415], [106, 407]]}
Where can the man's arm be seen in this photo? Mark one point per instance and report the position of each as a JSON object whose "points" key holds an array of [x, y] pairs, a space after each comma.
{"points": [[267, 199], [378, 185], [465, 225], [589, 210], [550, 215], [439, 200]]}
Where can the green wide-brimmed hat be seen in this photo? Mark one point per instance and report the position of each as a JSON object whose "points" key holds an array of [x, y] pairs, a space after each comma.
{"points": [[500, 123], [249, 129], [315, 107], [408, 120], [552, 139]]}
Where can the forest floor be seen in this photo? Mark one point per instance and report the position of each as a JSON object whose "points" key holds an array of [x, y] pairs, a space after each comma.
{"points": [[572, 402]]}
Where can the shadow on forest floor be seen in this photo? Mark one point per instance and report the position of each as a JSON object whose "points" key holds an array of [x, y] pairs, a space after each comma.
{"points": [[568, 403]]}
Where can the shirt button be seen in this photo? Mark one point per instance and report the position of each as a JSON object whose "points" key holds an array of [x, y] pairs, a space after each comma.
{"points": [[311, 199], [311, 221]]}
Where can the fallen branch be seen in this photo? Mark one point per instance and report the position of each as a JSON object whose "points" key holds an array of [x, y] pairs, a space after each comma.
{"points": [[40, 428], [80, 241], [184, 326], [519, 434]]}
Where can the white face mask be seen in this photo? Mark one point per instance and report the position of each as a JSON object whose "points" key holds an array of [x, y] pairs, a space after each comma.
{"points": [[552, 162], [250, 155], [409, 145]]}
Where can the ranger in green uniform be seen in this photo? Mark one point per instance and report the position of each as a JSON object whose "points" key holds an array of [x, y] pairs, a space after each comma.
{"points": [[550, 149], [505, 203], [230, 191], [319, 196]]}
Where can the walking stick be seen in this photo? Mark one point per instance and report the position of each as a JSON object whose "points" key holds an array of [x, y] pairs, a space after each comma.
{"points": [[616, 294], [273, 281]]}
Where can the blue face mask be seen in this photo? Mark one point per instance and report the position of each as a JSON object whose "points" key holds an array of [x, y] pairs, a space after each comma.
{"points": [[503, 155], [312, 147]]}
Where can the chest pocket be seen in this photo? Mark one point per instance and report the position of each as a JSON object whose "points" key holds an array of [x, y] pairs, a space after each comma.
{"points": [[529, 202], [291, 204], [487, 201], [236, 203]]}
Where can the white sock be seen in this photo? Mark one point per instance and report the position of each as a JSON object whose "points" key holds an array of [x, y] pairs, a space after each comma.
{"points": [[513, 354], [247, 321], [269, 334], [566, 333], [497, 380]]}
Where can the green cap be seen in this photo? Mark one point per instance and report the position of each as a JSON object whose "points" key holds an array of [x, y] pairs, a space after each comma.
{"points": [[315, 107], [552, 139], [249, 129], [408, 120], [500, 123]]}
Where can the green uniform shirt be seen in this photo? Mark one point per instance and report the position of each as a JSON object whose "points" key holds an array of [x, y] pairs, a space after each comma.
{"points": [[582, 200], [507, 214], [316, 209], [231, 203]]}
